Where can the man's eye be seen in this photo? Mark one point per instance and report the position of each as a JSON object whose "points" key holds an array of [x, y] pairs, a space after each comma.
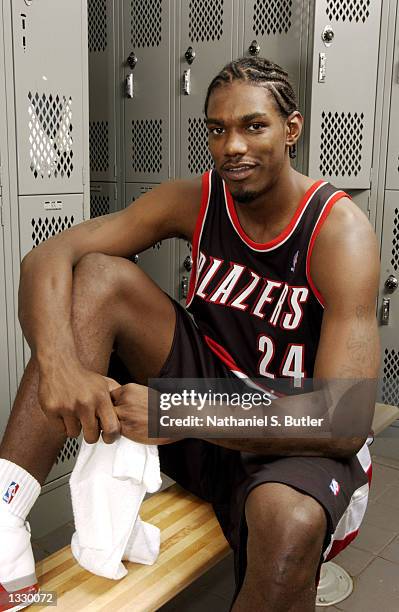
{"points": [[216, 130], [254, 127]]}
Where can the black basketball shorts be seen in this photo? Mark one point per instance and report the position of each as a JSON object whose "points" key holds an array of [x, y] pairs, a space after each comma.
{"points": [[225, 477]]}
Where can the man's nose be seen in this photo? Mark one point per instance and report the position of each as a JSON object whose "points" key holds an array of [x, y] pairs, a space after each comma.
{"points": [[235, 144]]}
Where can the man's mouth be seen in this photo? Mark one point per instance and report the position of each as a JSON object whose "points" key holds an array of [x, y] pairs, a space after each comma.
{"points": [[238, 172]]}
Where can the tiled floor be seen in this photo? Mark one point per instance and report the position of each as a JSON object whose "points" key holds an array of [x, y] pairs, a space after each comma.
{"points": [[372, 560]]}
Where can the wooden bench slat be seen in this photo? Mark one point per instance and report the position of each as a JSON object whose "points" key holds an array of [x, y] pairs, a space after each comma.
{"points": [[191, 543]]}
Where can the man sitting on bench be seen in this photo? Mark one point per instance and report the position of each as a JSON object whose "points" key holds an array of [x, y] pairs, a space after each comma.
{"points": [[279, 288]]}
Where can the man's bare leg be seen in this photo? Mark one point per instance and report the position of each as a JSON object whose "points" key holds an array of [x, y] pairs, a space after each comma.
{"points": [[113, 302], [286, 531]]}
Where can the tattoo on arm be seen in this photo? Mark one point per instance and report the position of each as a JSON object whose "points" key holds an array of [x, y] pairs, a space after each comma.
{"points": [[360, 346], [95, 224]]}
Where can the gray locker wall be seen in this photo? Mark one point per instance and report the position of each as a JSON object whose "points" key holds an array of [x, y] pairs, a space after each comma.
{"points": [[341, 110], [103, 199]]}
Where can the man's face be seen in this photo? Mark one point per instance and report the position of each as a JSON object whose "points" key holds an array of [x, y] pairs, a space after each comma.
{"points": [[247, 138]]}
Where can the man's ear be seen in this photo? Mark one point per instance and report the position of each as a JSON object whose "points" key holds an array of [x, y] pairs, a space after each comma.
{"points": [[294, 126]]}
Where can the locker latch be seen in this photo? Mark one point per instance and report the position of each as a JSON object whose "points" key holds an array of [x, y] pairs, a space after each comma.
{"points": [[254, 48], [385, 311], [187, 82], [190, 55], [322, 67], [184, 286]]}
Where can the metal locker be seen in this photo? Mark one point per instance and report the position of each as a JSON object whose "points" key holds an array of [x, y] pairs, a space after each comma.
{"points": [[49, 95], [343, 91], [147, 87], [389, 300], [392, 178], [103, 126], [184, 267], [277, 31], [206, 45], [159, 260], [103, 199], [40, 218]]}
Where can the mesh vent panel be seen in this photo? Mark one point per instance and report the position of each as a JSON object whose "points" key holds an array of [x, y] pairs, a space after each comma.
{"points": [[99, 146], [341, 144], [199, 157], [97, 25], [157, 245], [44, 228], [205, 20], [147, 145], [50, 135], [146, 23], [390, 387], [395, 243], [99, 205], [69, 451], [348, 10], [272, 17]]}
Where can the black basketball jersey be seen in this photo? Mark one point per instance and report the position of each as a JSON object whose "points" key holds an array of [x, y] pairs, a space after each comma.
{"points": [[256, 304]]}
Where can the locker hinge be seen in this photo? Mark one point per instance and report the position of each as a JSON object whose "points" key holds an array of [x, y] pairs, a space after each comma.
{"points": [[1, 213], [116, 193], [369, 205], [83, 206], [371, 176], [115, 171], [83, 176]]}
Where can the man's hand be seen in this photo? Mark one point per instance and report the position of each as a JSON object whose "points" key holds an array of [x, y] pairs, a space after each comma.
{"points": [[131, 406], [76, 398]]}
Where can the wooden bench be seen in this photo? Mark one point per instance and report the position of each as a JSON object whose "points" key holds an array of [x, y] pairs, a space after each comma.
{"points": [[191, 543]]}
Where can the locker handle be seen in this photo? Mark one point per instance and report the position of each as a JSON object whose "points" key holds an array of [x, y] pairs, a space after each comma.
{"points": [[129, 86]]}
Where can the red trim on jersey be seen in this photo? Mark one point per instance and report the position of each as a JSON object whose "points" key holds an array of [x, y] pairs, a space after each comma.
{"points": [[206, 179], [327, 208], [339, 545], [222, 354], [284, 234]]}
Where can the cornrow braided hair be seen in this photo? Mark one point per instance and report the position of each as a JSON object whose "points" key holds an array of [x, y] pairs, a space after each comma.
{"points": [[262, 72]]}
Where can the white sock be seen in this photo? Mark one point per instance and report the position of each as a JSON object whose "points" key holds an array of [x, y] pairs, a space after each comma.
{"points": [[18, 490]]}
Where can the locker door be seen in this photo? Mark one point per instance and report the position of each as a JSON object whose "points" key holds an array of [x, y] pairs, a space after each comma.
{"points": [[102, 86], [5, 401], [158, 260], [278, 29], [147, 111], [277, 32], [343, 100], [389, 332], [393, 147], [48, 59], [207, 32]]}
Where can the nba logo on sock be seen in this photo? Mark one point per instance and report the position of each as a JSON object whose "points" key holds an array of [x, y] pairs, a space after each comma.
{"points": [[334, 486], [11, 492]]}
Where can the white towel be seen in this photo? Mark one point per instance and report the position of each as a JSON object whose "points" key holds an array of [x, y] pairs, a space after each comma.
{"points": [[108, 484]]}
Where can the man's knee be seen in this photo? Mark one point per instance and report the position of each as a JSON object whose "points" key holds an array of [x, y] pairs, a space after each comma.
{"points": [[286, 528], [102, 277]]}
